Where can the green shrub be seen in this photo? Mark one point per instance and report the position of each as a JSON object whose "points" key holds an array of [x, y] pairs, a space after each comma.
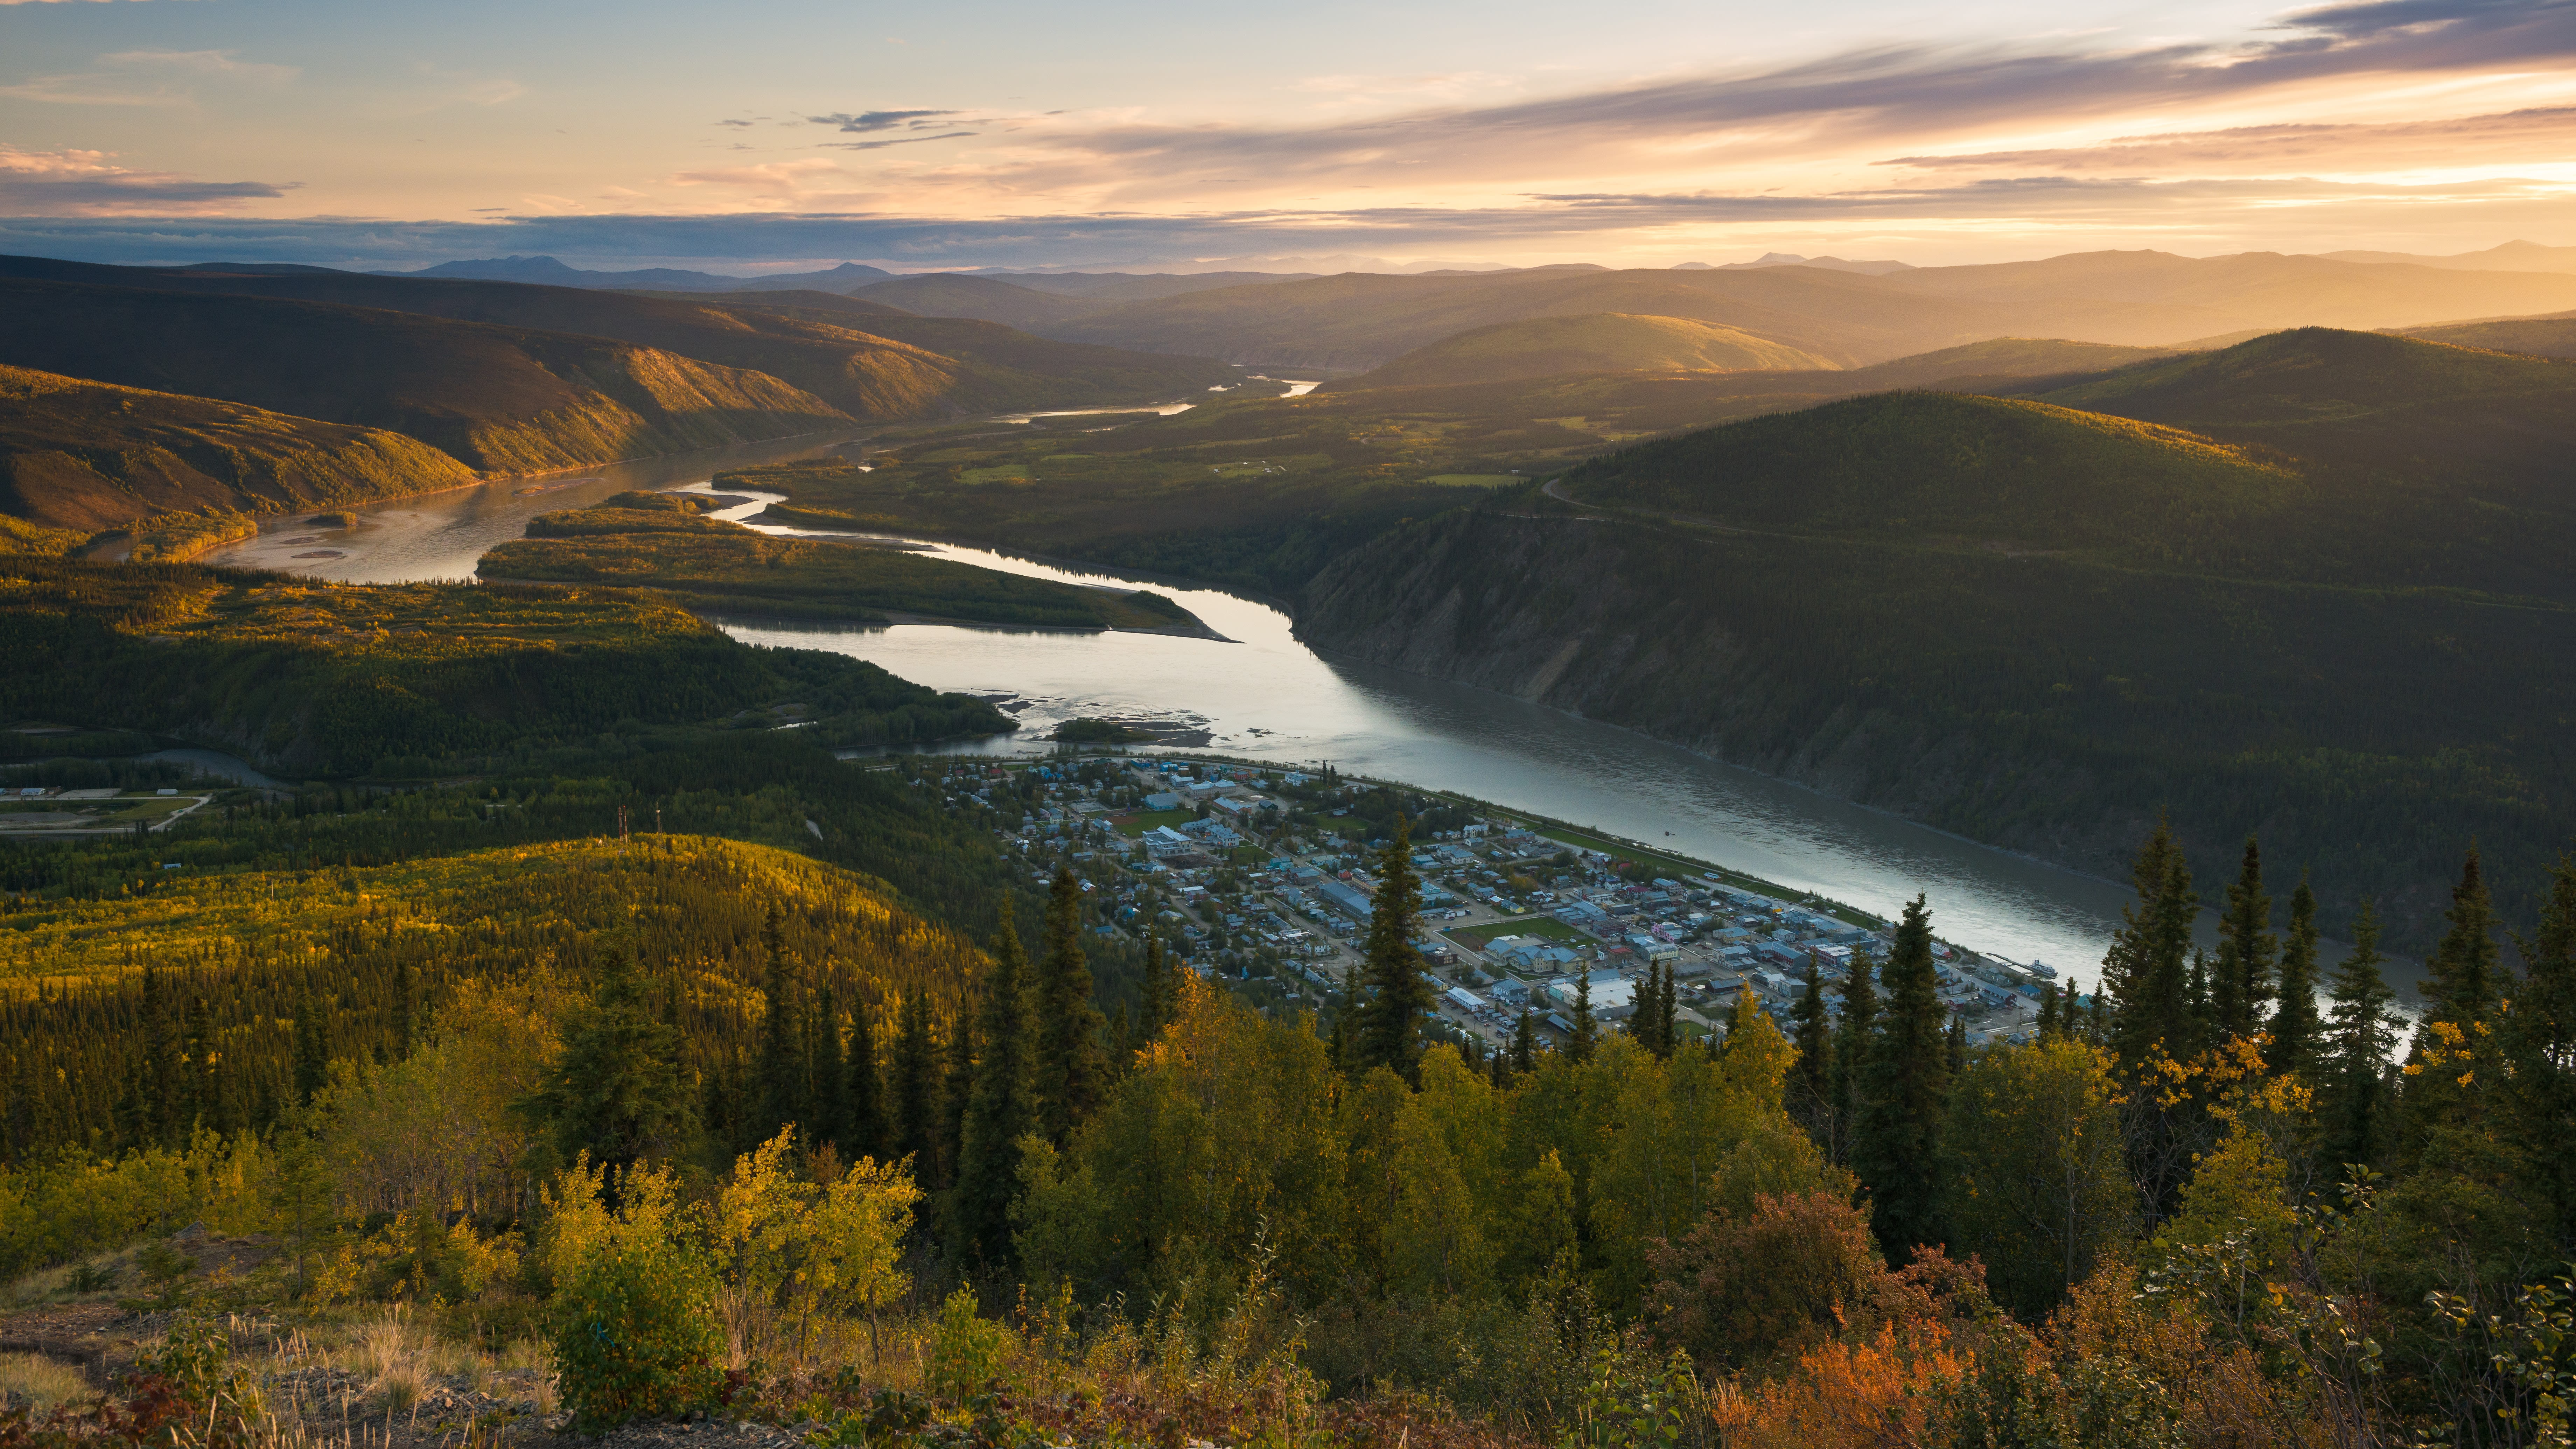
{"points": [[967, 1354], [635, 1335]]}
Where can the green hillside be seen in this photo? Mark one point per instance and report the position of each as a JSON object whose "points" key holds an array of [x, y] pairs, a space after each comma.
{"points": [[341, 679], [1601, 342], [2539, 336], [863, 374], [501, 399], [717, 565], [633, 512], [2039, 627], [90, 456]]}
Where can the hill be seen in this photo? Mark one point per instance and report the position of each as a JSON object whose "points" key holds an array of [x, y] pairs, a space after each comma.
{"points": [[2539, 336], [1601, 342], [330, 679], [1356, 322], [500, 399], [2031, 626], [955, 294], [2513, 256], [546, 271], [857, 371], [638, 541], [89, 456]]}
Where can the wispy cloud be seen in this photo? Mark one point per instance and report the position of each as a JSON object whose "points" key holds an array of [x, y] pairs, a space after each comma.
{"points": [[2450, 144], [87, 183], [865, 121], [897, 141]]}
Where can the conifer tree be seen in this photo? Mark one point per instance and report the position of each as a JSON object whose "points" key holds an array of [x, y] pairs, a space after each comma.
{"points": [[1815, 1045], [402, 1011], [1853, 1044], [863, 1126], [2200, 1013], [1000, 1107], [1524, 1043], [2462, 974], [1155, 991], [157, 1085], [916, 1089], [616, 1090], [830, 1091], [1585, 1036], [781, 1068], [2540, 1038], [195, 1075], [2293, 1048], [2147, 972], [1896, 1142], [312, 1050], [25, 1127], [2242, 982], [1390, 1028], [956, 1090], [2048, 1018], [1955, 1047], [1070, 1072], [2354, 1113]]}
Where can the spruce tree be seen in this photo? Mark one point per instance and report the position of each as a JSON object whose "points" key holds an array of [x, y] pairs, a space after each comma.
{"points": [[159, 1082], [1154, 1010], [1000, 1107], [2293, 1048], [616, 1090], [2540, 1040], [1390, 1028], [196, 1068], [863, 1126], [2048, 1020], [1854, 1042], [2355, 1110], [781, 1069], [1579, 1045], [1071, 1072], [1896, 1143], [312, 1050], [916, 1089], [402, 1012], [1815, 1046], [830, 1091], [956, 1091], [1954, 1047], [2242, 982], [2147, 972], [1524, 1043], [2462, 975]]}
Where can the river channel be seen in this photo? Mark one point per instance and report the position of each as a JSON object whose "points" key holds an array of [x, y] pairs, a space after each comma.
{"points": [[1261, 694]]}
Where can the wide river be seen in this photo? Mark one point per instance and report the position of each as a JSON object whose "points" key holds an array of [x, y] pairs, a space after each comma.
{"points": [[1261, 694]]}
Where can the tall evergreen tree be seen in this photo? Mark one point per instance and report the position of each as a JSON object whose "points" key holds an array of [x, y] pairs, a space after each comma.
{"points": [[863, 1125], [1815, 1037], [1390, 1027], [916, 1088], [2049, 1025], [1585, 1036], [2293, 1048], [1154, 1010], [616, 1090], [1896, 1143], [2242, 982], [402, 1009], [158, 1084], [956, 1091], [830, 1076], [1854, 1042], [2540, 1038], [780, 1072], [2355, 1110], [1524, 1043], [1001, 1108], [312, 1049], [196, 1067], [2463, 973], [1070, 1072], [2147, 972], [1954, 1046]]}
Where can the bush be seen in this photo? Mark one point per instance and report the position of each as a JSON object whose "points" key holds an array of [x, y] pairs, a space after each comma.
{"points": [[635, 1335], [967, 1355]]}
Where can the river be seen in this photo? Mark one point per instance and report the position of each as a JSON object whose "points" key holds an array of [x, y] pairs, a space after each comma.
{"points": [[1261, 694]]}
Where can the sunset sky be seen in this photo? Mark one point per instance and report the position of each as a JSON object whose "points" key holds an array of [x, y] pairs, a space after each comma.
{"points": [[781, 135]]}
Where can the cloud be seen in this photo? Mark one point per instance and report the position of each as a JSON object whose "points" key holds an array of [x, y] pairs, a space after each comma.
{"points": [[85, 183], [866, 121], [202, 62], [745, 124], [2506, 139], [897, 141]]}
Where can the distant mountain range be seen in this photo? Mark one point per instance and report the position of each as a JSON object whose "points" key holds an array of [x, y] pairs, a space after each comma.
{"points": [[546, 271]]}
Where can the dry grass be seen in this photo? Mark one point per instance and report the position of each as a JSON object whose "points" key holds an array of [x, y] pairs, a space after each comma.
{"points": [[44, 1381]]}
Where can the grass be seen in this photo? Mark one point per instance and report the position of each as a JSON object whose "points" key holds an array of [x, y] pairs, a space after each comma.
{"points": [[1545, 927], [43, 1382], [1144, 820]]}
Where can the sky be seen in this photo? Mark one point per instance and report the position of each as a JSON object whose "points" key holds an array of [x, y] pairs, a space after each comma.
{"points": [[757, 137]]}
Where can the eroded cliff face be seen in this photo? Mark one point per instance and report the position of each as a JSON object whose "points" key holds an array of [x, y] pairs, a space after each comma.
{"points": [[1565, 612]]}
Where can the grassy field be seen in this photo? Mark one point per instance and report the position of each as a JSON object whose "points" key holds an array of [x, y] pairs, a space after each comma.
{"points": [[1545, 927], [1137, 824]]}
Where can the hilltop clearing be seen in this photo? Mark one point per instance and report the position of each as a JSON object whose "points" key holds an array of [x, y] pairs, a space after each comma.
{"points": [[342, 679], [717, 565], [1603, 342], [864, 375], [89, 456], [2027, 624], [500, 399]]}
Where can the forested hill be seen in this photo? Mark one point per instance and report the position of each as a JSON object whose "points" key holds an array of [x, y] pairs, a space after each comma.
{"points": [[2039, 627], [411, 680]]}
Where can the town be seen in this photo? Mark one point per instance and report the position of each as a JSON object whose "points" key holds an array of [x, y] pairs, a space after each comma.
{"points": [[1262, 877]]}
